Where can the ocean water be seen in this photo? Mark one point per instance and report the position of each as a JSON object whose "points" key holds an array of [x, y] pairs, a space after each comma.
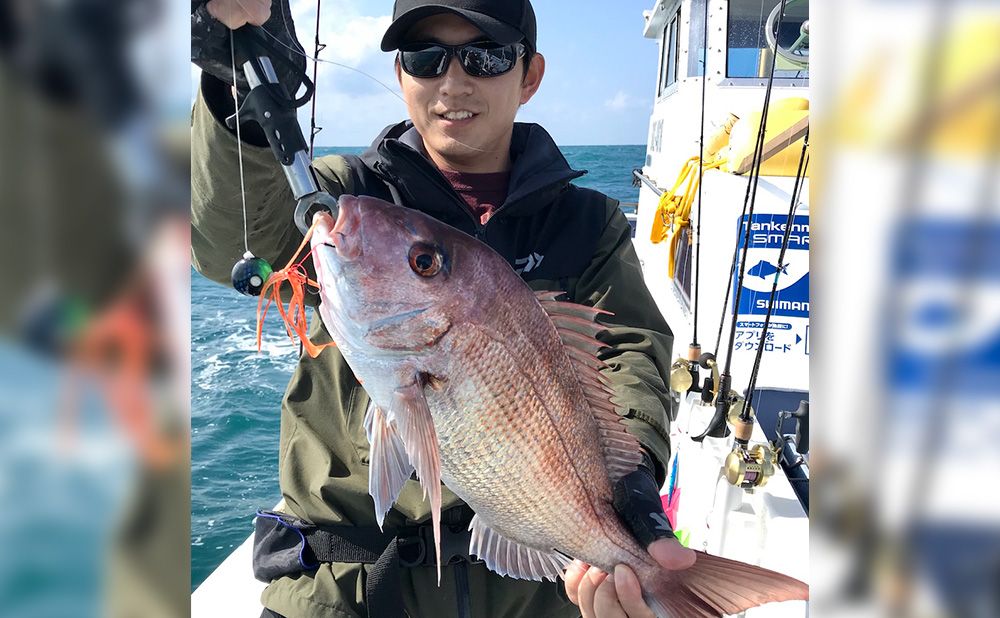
{"points": [[236, 392]]}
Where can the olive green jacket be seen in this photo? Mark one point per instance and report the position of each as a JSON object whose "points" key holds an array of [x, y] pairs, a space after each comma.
{"points": [[323, 456]]}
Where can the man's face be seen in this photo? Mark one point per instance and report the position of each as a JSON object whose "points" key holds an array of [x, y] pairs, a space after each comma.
{"points": [[480, 143]]}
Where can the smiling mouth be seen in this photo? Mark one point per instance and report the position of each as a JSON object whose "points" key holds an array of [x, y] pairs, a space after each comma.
{"points": [[457, 116]]}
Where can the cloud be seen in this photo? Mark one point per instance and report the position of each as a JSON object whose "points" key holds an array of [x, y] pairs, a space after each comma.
{"points": [[619, 102], [352, 37]]}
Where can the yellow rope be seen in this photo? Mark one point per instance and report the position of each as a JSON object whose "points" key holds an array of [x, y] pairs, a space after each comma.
{"points": [[674, 209]]}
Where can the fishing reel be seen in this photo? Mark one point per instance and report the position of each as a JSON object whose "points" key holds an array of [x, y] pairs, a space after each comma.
{"points": [[684, 374], [716, 391], [745, 467], [751, 468], [684, 371]]}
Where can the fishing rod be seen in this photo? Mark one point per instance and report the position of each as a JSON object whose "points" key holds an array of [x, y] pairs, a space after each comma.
{"points": [[685, 374], [803, 166], [725, 398], [271, 106], [745, 467], [695, 348], [318, 47]]}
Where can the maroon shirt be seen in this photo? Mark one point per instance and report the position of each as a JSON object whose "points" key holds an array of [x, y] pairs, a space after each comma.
{"points": [[484, 193]]}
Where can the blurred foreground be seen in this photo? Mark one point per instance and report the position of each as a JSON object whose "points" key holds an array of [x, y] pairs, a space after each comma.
{"points": [[94, 236], [94, 330], [907, 318]]}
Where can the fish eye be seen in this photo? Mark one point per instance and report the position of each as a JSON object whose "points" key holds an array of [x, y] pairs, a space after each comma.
{"points": [[425, 260]]}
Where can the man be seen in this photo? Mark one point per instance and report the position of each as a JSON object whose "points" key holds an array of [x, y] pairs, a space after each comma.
{"points": [[464, 67]]}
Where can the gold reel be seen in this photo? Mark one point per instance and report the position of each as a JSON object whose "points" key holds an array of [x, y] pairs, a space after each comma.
{"points": [[746, 468], [750, 469], [684, 371], [681, 377]]}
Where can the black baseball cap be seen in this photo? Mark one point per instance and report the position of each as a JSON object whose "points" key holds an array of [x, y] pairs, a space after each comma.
{"points": [[504, 21]]}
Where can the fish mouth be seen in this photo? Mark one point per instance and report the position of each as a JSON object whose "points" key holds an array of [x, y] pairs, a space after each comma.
{"points": [[345, 236], [328, 255]]}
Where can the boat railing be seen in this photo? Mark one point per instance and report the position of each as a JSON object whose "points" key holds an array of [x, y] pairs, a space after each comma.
{"points": [[646, 180]]}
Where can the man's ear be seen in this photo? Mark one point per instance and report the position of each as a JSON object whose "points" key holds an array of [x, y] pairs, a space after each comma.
{"points": [[399, 72], [533, 78]]}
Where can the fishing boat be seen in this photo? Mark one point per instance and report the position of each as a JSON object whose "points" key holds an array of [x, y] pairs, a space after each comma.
{"points": [[711, 253], [727, 261]]}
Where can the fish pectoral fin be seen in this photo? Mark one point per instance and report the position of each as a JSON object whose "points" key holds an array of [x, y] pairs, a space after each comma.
{"points": [[390, 465], [416, 429], [512, 559]]}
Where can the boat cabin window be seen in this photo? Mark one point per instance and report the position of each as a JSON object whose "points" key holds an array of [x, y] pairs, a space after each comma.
{"points": [[671, 46], [749, 44], [696, 39], [682, 272]]}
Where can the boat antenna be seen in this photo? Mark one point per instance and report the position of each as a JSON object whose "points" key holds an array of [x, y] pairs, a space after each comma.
{"points": [[717, 426]]}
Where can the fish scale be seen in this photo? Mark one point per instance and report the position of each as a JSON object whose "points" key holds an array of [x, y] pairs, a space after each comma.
{"points": [[479, 388], [544, 471]]}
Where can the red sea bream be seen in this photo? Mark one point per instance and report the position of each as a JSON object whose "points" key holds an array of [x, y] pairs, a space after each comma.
{"points": [[495, 390]]}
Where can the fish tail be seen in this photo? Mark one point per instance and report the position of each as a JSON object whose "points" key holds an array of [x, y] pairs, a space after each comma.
{"points": [[716, 586]]}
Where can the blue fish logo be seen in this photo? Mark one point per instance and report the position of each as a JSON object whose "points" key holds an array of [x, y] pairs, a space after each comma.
{"points": [[764, 269]]}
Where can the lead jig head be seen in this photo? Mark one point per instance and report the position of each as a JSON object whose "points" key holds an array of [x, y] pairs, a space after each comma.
{"points": [[250, 274]]}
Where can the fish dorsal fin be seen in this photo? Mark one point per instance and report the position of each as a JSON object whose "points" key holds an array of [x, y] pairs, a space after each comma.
{"points": [[390, 465], [577, 329], [507, 557], [416, 429]]}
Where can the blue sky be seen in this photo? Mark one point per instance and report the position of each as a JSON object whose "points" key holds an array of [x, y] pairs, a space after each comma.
{"points": [[598, 88]]}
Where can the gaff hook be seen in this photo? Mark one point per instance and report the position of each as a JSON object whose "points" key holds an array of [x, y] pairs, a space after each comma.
{"points": [[310, 205]]}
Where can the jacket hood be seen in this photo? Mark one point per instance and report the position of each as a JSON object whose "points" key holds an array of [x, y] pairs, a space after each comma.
{"points": [[539, 171]]}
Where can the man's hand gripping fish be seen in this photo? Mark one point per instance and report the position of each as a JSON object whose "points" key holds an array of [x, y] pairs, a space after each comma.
{"points": [[481, 383]]}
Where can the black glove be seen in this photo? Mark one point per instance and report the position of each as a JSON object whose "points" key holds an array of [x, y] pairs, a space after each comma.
{"points": [[637, 502], [210, 47]]}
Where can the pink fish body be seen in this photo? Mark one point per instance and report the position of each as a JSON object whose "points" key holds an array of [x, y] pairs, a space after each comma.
{"points": [[481, 383]]}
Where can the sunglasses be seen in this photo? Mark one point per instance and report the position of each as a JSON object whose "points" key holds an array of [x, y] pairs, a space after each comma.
{"points": [[478, 59]]}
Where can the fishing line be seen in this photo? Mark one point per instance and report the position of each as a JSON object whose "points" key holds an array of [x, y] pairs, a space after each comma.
{"points": [[239, 143], [317, 60]]}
